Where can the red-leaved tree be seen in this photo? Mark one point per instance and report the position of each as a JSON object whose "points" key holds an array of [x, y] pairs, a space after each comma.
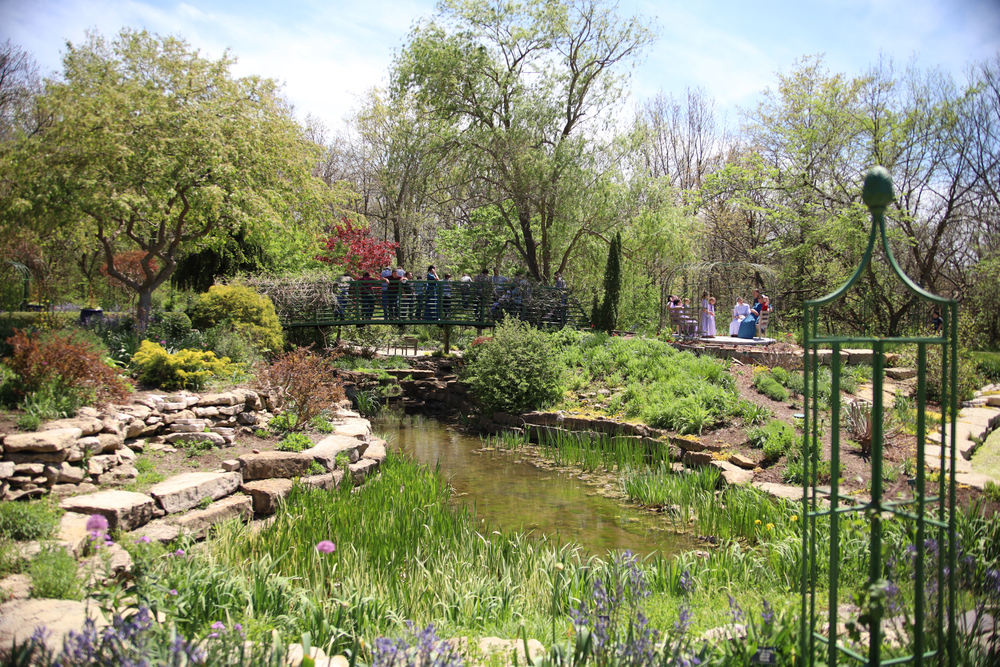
{"points": [[356, 250]]}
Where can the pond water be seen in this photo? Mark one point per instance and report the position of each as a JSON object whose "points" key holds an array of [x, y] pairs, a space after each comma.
{"points": [[516, 495]]}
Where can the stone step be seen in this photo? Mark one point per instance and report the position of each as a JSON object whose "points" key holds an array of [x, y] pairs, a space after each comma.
{"points": [[185, 491], [124, 510]]}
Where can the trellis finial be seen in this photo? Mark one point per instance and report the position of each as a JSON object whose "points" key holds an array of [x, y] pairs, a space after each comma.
{"points": [[877, 191]]}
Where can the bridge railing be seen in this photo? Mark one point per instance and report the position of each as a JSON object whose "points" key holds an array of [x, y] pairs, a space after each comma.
{"points": [[434, 301]]}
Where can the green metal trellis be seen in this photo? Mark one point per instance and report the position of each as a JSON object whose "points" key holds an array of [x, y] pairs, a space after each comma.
{"points": [[934, 638]]}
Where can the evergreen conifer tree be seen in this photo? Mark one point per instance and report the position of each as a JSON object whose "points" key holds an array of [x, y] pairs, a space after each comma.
{"points": [[606, 317]]}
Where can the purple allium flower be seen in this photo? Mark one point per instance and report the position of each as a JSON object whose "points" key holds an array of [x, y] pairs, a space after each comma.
{"points": [[97, 523], [143, 540], [173, 591], [326, 547], [218, 625], [179, 552]]}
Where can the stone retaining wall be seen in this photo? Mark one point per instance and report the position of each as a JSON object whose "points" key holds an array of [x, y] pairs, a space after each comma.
{"points": [[71, 456]]}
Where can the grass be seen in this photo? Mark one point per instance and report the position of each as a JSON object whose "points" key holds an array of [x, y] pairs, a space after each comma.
{"points": [[35, 520], [147, 477], [986, 460]]}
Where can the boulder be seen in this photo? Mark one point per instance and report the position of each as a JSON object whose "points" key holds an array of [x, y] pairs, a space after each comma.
{"points": [[56, 440], [199, 522], [327, 482], [214, 438], [70, 474], [73, 531], [266, 493], [375, 451], [110, 442], [267, 465], [742, 461], [87, 425], [182, 492], [6, 469], [325, 451], [362, 469], [697, 458], [30, 469], [732, 474], [124, 510], [688, 443]]}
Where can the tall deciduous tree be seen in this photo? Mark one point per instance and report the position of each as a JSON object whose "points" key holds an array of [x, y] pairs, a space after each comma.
{"points": [[521, 90], [159, 149]]}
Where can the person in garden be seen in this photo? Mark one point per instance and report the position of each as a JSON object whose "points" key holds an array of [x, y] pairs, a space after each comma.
{"points": [[706, 316], [708, 319], [740, 311], [430, 294], [367, 288], [446, 296]]}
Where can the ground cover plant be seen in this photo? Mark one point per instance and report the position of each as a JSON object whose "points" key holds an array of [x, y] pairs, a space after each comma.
{"points": [[650, 381]]}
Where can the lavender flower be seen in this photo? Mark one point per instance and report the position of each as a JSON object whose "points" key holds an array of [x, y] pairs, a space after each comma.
{"points": [[686, 583], [683, 621], [767, 614], [735, 612]]}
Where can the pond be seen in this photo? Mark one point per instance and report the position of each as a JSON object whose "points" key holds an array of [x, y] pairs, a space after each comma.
{"points": [[516, 495]]}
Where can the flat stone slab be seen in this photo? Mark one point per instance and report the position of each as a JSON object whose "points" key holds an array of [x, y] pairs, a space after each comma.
{"points": [[214, 438], [124, 510], [163, 531], [56, 440], [326, 450], [266, 493], [786, 491], [733, 474], [901, 373], [183, 492], [354, 428], [976, 480], [199, 522], [19, 618], [268, 465], [87, 425]]}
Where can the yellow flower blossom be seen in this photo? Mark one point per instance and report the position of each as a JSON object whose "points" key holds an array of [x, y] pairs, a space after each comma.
{"points": [[770, 526], [795, 517], [757, 522]]}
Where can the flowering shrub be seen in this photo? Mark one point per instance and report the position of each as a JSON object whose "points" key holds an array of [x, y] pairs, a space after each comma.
{"points": [[354, 248], [65, 361], [304, 384], [185, 368]]}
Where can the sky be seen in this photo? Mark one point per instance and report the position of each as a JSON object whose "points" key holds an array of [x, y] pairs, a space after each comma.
{"points": [[329, 52]]}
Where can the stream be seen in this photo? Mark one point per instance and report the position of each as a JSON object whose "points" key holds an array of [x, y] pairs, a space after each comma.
{"points": [[518, 496]]}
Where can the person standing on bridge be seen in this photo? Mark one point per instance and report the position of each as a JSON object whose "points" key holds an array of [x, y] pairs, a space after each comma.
{"points": [[431, 294]]}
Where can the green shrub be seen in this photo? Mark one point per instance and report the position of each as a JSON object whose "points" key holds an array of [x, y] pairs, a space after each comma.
{"points": [[752, 413], [294, 442], [185, 368], [54, 576], [243, 309], [28, 521], [780, 375], [316, 469], [768, 386], [988, 365], [775, 438], [228, 341], [517, 370]]}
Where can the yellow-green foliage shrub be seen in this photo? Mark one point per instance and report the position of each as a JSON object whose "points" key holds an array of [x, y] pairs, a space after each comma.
{"points": [[245, 310], [185, 368]]}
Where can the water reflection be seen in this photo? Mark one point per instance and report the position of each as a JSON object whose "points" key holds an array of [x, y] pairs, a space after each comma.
{"points": [[518, 496]]}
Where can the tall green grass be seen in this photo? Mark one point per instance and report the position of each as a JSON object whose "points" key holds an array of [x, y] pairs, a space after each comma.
{"points": [[597, 452]]}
